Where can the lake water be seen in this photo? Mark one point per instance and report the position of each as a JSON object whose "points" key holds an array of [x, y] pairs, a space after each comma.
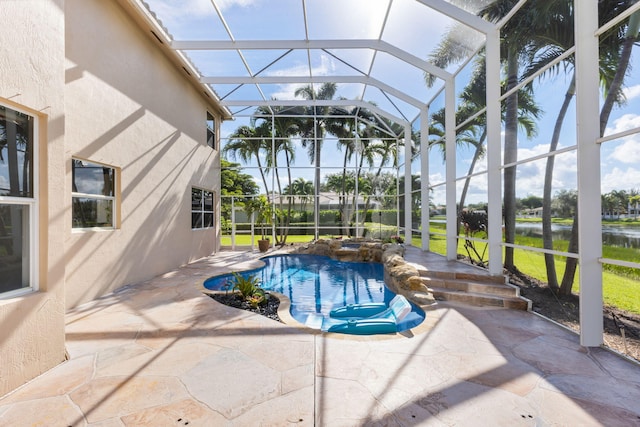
{"points": [[621, 236]]}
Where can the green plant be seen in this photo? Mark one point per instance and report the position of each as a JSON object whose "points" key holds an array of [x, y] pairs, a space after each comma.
{"points": [[259, 297], [247, 286]]}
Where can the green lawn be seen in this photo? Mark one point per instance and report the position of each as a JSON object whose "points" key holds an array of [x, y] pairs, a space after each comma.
{"points": [[245, 239]]}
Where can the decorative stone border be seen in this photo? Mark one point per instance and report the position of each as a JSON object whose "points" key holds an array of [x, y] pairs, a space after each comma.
{"points": [[400, 276]]}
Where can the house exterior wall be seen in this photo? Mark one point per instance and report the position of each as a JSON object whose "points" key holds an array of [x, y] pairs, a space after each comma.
{"points": [[32, 64], [102, 90], [129, 107]]}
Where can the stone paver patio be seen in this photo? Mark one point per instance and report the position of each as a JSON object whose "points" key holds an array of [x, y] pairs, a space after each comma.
{"points": [[160, 353]]}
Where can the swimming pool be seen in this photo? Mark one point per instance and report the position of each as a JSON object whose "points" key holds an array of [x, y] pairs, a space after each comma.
{"points": [[317, 284]]}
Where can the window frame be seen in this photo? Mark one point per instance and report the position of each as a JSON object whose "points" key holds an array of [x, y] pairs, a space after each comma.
{"points": [[113, 198], [32, 206], [211, 131], [202, 211]]}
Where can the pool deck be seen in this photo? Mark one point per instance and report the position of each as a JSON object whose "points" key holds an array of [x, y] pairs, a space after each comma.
{"points": [[160, 353]]}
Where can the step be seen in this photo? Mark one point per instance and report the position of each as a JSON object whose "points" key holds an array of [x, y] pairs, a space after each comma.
{"points": [[457, 275], [480, 300], [475, 287]]}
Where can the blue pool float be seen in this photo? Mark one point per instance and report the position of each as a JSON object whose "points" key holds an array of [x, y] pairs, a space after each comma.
{"points": [[383, 321], [359, 310]]}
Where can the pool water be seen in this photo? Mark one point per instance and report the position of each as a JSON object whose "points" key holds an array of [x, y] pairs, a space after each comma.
{"points": [[317, 284]]}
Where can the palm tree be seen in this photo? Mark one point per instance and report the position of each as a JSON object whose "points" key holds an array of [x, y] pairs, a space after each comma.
{"points": [[312, 129], [249, 142], [515, 52], [614, 92], [515, 45], [282, 127], [303, 189], [608, 46], [556, 39], [474, 133], [346, 131]]}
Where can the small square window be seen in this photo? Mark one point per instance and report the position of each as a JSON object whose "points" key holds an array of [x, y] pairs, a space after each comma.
{"points": [[201, 209], [93, 195]]}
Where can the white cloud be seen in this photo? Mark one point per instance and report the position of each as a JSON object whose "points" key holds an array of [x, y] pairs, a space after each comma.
{"points": [[624, 123], [226, 4], [628, 152], [436, 178], [287, 92], [192, 8], [619, 179], [167, 9], [631, 92]]}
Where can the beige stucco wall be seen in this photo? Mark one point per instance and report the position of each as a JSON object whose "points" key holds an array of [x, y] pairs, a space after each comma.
{"points": [[129, 107], [32, 64]]}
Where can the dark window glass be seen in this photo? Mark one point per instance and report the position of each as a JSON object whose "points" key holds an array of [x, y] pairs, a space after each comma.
{"points": [[93, 194], [201, 208], [92, 178], [211, 131], [208, 201], [14, 247], [89, 212], [16, 153], [208, 219]]}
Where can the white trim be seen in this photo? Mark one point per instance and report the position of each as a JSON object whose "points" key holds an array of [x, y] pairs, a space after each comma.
{"points": [[494, 155], [376, 45], [450, 169], [619, 262], [588, 161], [33, 211], [424, 177]]}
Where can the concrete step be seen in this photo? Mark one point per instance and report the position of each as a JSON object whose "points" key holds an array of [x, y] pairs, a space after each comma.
{"points": [[478, 299], [457, 275], [472, 286]]}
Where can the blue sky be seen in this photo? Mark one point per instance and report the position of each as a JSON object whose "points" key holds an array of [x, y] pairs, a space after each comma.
{"points": [[341, 19]]}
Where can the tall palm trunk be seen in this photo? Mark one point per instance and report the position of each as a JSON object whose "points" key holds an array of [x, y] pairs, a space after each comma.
{"points": [[510, 156], [472, 166], [285, 232], [613, 94], [264, 179], [367, 200], [356, 194], [623, 64], [547, 238]]}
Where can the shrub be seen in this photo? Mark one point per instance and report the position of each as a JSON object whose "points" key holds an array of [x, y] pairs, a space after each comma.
{"points": [[247, 286]]}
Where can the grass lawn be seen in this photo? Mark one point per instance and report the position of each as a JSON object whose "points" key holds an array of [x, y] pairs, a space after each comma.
{"points": [[245, 239]]}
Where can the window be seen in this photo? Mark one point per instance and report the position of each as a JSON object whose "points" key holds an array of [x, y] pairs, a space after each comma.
{"points": [[211, 131], [18, 211], [201, 208], [93, 195]]}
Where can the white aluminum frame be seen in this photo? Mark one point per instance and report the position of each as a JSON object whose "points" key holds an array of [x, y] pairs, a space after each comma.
{"points": [[33, 210], [586, 63]]}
